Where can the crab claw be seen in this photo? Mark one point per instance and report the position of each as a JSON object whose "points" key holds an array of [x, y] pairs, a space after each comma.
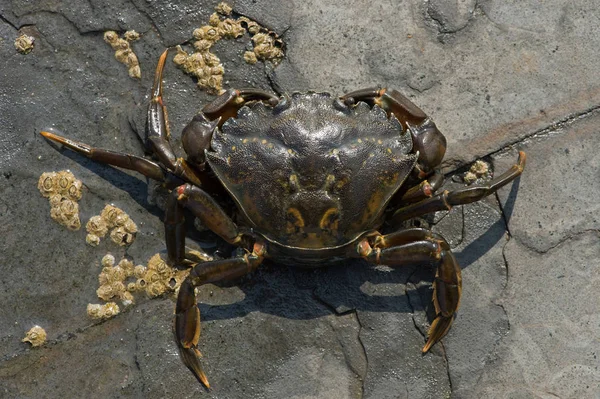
{"points": [[187, 330]]}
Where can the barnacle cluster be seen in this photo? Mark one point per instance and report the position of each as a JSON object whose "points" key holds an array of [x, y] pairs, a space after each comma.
{"points": [[63, 191], [36, 336], [480, 170], [206, 66], [123, 52], [24, 44], [106, 311], [122, 228], [121, 281], [267, 46]]}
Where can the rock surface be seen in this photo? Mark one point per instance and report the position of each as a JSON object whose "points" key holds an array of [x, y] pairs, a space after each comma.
{"points": [[496, 76]]}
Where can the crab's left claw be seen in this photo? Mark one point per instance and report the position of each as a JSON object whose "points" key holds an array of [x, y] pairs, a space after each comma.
{"points": [[187, 330]]}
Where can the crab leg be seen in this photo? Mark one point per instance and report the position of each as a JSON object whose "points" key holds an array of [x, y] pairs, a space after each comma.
{"points": [[391, 101], [428, 141], [157, 131], [203, 206], [448, 199], [126, 161], [411, 246], [187, 314], [227, 104], [425, 189]]}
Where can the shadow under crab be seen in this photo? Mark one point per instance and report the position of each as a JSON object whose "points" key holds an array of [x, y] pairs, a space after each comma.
{"points": [[313, 178]]}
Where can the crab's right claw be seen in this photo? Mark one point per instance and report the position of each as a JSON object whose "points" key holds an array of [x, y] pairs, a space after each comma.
{"points": [[187, 330]]}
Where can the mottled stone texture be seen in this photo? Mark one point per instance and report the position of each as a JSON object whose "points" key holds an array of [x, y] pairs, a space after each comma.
{"points": [[496, 76]]}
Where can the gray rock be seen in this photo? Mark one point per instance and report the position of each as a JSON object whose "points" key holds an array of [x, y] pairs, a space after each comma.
{"points": [[499, 75], [552, 346], [451, 16]]}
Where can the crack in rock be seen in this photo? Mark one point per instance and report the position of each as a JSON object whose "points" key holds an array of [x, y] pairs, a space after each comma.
{"points": [[5, 20], [553, 128], [363, 378], [568, 237]]}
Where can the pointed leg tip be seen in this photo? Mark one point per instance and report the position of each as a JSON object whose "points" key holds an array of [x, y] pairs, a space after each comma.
{"points": [[54, 137], [191, 361], [522, 159], [49, 135], [428, 345], [157, 85], [204, 380], [164, 54]]}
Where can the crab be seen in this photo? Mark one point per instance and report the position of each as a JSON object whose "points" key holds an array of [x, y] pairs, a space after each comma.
{"points": [[314, 179]]}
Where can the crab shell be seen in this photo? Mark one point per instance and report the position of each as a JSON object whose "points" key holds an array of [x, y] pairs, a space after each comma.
{"points": [[311, 176]]}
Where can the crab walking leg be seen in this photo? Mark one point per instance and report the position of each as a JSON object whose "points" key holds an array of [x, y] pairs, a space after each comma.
{"points": [[425, 189], [203, 206], [412, 246], [391, 101], [126, 161], [227, 104], [187, 314], [157, 131], [448, 199]]}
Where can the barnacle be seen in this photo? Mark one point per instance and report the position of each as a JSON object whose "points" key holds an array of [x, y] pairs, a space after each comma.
{"points": [[224, 9], [231, 29], [24, 44], [206, 66], [92, 239], [201, 46], [105, 311], [250, 57], [97, 226], [121, 237], [63, 191], [207, 32], [480, 170], [252, 26], [214, 20], [139, 271], [108, 260], [131, 35], [122, 228], [123, 52], [110, 214], [36, 336], [127, 266]]}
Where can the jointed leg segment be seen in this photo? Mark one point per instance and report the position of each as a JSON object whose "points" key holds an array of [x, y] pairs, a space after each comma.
{"points": [[413, 246], [157, 131], [126, 161], [187, 314], [203, 206], [447, 199]]}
